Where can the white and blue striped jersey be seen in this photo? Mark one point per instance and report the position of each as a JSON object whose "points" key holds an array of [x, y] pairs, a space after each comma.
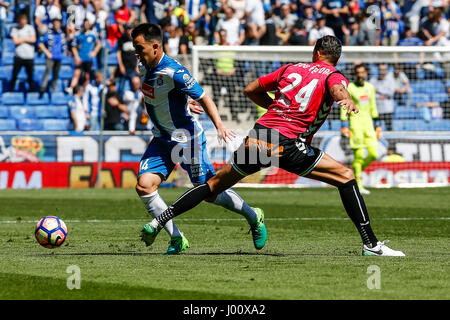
{"points": [[166, 88]]}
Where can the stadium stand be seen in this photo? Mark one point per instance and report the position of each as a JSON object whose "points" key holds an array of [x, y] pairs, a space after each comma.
{"points": [[428, 82]]}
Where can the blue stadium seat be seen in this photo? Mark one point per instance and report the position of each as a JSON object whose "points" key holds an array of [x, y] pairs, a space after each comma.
{"points": [[6, 73], [4, 112], [29, 125], [440, 97], [7, 124], [21, 112], [417, 86], [13, 98], [56, 125], [39, 59], [419, 98], [112, 59], [415, 125], [59, 98], [440, 125], [62, 112], [45, 112], [33, 99], [405, 113], [433, 86], [23, 75], [66, 72], [67, 60], [38, 74], [7, 58], [52, 112], [397, 125], [9, 45]]}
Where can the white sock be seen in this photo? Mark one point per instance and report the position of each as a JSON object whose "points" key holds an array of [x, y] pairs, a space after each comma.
{"points": [[155, 206], [230, 200]]}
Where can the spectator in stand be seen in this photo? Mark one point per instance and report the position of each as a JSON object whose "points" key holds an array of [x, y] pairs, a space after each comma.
{"points": [[188, 39], [238, 6], [308, 18], [385, 89], [297, 35], [180, 17], [351, 39], [232, 26], [435, 29], [155, 10], [285, 21], [84, 10], [4, 5], [136, 6], [101, 17], [197, 11], [368, 31], [127, 62], [354, 7], [115, 108], [271, 36], [430, 110], [410, 68], [92, 100], [124, 15], [54, 45], [392, 155], [85, 48], [225, 70], [44, 15], [24, 37], [402, 90], [334, 10], [255, 21], [393, 24], [134, 100], [171, 42], [320, 30], [78, 111]]}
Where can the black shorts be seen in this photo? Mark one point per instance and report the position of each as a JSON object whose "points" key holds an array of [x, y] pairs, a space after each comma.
{"points": [[85, 66], [265, 147]]}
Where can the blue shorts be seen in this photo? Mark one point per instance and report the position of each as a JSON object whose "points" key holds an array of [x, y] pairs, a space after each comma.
{"points": [[161, 157]]}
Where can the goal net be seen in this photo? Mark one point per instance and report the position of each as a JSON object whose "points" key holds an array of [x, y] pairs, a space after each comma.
{"points": [[414, 149]]}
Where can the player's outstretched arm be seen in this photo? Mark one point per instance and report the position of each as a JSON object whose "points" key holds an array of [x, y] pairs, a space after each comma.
{"points": [[257, 94], [211, 110], [342, 98]]}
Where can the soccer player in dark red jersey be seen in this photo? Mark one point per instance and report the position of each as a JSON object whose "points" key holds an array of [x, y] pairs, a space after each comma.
{"points": [[304, 95]]}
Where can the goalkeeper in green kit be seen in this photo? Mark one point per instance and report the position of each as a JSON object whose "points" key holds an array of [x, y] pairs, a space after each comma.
{"points": [[359, 127]]}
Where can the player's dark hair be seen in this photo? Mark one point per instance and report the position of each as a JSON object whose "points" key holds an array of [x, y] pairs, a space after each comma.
{"points": [[329, 46], [150, 31]]}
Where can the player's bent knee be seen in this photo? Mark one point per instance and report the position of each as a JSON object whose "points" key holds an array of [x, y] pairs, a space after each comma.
{"points": [[347, 174]]}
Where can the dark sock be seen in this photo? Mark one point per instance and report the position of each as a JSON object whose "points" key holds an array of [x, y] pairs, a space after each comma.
{"points": [[187, 201], [357, 211]]}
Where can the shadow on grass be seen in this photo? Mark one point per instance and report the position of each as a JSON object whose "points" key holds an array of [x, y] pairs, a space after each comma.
{"points": [[159, 254]]}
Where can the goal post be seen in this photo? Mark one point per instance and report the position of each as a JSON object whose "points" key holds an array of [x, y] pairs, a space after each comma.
{"points": [[416, 132]]}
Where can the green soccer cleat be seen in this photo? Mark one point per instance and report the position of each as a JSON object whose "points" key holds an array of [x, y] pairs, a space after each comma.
{"points": [[258, 229], [148, 234], [177, 245]]}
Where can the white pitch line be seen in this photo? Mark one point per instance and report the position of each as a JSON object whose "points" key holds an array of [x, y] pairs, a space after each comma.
{"points": [[236, 219]]}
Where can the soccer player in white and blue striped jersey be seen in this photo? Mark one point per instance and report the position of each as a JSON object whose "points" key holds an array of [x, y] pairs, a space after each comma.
{"points": [[178, 137]]}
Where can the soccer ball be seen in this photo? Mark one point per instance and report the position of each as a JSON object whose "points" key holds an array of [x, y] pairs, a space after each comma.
{"points": [[50, 232]]}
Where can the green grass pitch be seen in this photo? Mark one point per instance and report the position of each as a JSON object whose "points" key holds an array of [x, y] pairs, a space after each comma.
{"points": [[313, 250]]}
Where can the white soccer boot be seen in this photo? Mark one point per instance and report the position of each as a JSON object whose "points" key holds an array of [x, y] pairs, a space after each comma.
{"points": [[381, 249]]}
